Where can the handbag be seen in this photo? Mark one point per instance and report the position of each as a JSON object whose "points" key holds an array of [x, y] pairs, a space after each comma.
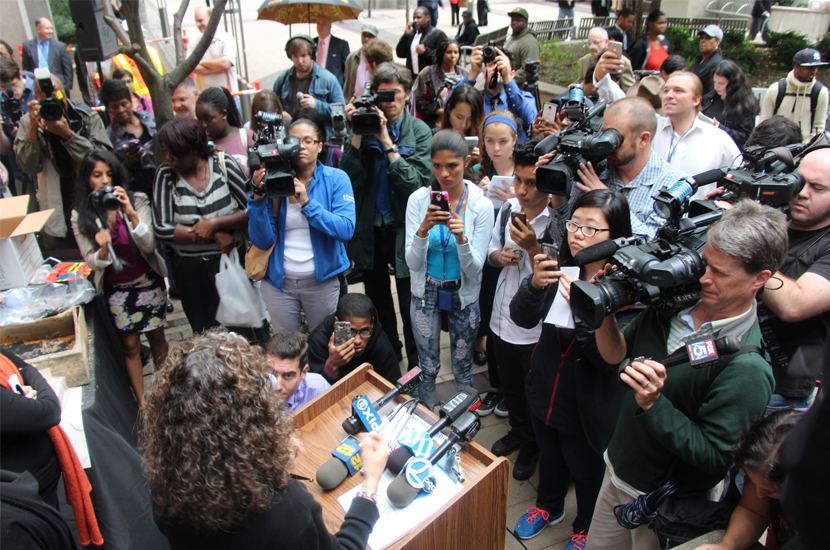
{"points": [[256, 261], [239, 304]]}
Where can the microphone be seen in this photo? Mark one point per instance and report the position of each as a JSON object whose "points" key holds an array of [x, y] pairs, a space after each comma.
{"points": [[602, 250], [408, 382], [418, 473], [707, 177], [465, 400], [300, 96], [117, 265], [705, 351]]}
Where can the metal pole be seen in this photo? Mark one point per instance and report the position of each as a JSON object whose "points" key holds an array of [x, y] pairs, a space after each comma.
{"points": [[242, 37]]}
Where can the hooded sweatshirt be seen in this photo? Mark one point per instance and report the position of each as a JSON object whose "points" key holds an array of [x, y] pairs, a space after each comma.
{"points": [[379, 352], [796, 106]]}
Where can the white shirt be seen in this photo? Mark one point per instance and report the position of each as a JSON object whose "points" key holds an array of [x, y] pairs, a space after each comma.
{"points": [[416, 41], [223, 46], [298, 256], [509, 280], [702, 148], [323, 50]]}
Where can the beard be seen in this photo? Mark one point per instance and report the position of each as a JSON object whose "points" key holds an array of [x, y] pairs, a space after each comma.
{"points": [[621, 159]]}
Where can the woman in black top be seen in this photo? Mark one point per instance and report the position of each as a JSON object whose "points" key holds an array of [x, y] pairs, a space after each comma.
{"points": [[430, 89], [217, 448], [573, 395], [732, 105]]}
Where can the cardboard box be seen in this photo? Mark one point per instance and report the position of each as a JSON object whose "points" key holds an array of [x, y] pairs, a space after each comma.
{"points": [[19, 251]]}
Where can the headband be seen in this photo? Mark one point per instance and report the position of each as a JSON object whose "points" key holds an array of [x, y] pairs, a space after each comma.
{"points": [[506, 120]]}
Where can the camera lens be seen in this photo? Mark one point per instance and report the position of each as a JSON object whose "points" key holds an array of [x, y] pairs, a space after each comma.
{"points": [[489, 53], [677, 270], [51, 110]]}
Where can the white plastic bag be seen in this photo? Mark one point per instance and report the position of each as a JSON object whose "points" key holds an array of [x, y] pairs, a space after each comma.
{"points": [[238, 303]]}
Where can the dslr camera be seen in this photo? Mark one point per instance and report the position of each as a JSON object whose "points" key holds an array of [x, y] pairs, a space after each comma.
{"points": [[489, 53], [104, 199], [581, 142], [51, 107], [274, 150], [365, 121]]}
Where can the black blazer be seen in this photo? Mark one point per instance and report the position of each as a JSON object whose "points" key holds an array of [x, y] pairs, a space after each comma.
{"points": [[468, 37], [616, 33], [60, 64], [336, 57], [430, 38]]}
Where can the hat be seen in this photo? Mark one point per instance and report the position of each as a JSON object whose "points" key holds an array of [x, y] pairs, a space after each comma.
{"points": [[712, 31], [466, 13], [808, 58], [519, 11], [370, 29], [649, 88]]}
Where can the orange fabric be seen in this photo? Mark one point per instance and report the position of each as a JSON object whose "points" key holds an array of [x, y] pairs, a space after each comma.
{"points": [[74, 478], [656, 57]]}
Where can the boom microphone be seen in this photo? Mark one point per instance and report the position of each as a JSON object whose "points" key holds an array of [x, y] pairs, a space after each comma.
{"points": [[405, 384], [418, 472]]}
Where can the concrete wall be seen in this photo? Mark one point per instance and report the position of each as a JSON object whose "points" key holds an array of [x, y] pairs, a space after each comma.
{"points": [[18, 20]]}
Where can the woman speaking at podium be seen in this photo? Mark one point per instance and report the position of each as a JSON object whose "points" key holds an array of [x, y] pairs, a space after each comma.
{"points": [[217, 449]]}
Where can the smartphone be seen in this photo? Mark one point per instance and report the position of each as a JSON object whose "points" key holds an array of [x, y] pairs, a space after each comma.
{"points": [[130, 145], [549, 111], [552, 253], [472, 141], [342, 332], [615, 46], [442, 199], [520, 216]]}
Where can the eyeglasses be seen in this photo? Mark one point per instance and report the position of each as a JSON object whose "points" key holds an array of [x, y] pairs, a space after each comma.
{"points": [[308, 142], [587, 230], [595, 42], [365, 333]]}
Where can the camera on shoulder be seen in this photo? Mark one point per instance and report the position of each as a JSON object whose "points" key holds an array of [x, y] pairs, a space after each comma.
{"points": [[274, 150]]}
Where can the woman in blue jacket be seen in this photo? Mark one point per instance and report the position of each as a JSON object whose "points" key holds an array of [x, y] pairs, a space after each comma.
{"points": [[310, 230]]}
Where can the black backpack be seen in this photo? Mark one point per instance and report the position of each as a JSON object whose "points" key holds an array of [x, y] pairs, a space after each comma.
{"points": [[782, 92]]}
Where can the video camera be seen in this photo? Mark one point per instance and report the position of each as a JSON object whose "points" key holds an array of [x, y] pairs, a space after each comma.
{"points": [[11, 105], [339, 131], [581, 142], [365, 121], [274, 150]]}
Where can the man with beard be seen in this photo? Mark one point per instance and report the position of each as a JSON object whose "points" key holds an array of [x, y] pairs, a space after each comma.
{"points": [[633, 169]]}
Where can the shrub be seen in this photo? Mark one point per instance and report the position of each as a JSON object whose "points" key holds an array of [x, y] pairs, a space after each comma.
{"points": [[787, 44], [64, 26], [823, 46], [743, 53], [682, 43], [559, 61]]}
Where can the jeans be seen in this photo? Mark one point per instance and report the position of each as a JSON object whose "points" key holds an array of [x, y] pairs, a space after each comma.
{"points": [[781, 402], [317, 300], [567, 13], [426, 324], [755, 26]]}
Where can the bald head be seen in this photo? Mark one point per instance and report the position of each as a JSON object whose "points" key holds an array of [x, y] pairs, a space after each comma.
{"points": [[636, 112], [810, 209], [44, 29], [323, 26], [202, 16], [597, 41]]}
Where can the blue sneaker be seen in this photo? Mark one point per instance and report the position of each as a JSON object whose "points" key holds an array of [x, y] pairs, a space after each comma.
{"points": [[578, 541], [534, 521]]}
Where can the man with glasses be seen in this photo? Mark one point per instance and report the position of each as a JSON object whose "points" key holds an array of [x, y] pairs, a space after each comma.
{"points": [[184, 98], [367, 344], [597, 44]]}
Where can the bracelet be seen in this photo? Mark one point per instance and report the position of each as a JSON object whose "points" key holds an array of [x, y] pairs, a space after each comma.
{"points": [[305, 203], [368, 496]]}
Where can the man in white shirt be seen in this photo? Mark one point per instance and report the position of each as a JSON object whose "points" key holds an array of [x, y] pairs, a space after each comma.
{"points": [[218, 66], [331, 51], [683, 139]]}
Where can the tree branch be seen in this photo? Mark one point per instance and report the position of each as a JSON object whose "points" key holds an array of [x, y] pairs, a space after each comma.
{"points": [[180, 72], [177, 31], [115, 25]]}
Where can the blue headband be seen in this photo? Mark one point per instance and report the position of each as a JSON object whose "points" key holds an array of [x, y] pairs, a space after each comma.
{"points": [[501, 118]]}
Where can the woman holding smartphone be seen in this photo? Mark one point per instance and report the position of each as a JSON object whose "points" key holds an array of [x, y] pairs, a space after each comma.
{"points": [[573, 395], [464, 112], [445, 251]]}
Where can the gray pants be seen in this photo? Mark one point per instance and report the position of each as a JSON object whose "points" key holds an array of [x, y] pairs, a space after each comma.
{"points": [[606, 533], [317, 300]]}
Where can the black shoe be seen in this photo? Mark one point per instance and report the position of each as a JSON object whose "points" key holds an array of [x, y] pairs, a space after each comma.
{"points": [[506, 445], [525, 465], [170, 307], [489, 403], [480, 357]]}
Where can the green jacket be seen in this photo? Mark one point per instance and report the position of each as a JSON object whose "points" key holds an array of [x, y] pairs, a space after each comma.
{"points": [[524, 48], [411, 171], [695, 422]]}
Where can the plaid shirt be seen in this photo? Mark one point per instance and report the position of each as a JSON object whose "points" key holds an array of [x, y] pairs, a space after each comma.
{"points": [[640, 193]]}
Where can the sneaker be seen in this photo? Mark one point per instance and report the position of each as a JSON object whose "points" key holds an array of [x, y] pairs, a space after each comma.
{"points": [[480, 357], [501, 409], [534, 521], [489, 403], [506, 445], [525, 465], [577, 541]]}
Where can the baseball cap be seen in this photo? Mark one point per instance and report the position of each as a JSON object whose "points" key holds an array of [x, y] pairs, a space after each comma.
{"points": [[808, 57], [466, 13], [371, 29], [713, 31], [519, 11]]}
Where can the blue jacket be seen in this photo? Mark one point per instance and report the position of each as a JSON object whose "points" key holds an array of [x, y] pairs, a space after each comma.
{"points": [[521, 104], [330, 214], [324, 87]]}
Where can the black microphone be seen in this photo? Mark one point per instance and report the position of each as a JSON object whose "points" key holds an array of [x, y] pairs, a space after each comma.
{"points": [[602, 250], [401, 492], [117, 265], [465, 400], [405, 385], [703, 352]]}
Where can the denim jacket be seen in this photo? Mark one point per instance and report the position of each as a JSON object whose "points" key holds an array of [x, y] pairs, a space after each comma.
{"points": [[478, 225], [324, 88], [330, 215]]}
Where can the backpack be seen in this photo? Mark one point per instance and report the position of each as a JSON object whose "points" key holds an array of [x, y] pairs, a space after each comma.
{"points": [[782, 92]]}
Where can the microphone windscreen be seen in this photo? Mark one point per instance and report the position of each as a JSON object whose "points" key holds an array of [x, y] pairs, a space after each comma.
{"points": [[331, 473], [300, 96], [596, 252], [401, 493], [398, 459], [707, 177]]}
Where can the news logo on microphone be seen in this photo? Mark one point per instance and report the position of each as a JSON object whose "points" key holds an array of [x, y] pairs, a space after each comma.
{"points": [[366, 412]]}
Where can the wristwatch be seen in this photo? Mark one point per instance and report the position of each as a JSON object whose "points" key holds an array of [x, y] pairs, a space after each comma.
{"points": [[368, 496], [393, 149]]}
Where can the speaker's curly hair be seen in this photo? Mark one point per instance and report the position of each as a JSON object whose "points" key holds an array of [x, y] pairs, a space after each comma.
{"points": [[216, 441]]}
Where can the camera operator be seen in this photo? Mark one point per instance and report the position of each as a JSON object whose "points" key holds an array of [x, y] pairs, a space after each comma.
{"points": [[795, 315], [500, 90], [633, 169], [11, 108], [54, 151], [385, 169], [682, 423]]}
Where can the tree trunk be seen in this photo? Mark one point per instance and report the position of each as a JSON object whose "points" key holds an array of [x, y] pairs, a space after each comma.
{"points": [[638, 19]]}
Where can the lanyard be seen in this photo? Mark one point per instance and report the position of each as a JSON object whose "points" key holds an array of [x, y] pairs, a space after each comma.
{"points": [[672, 146], [446, 240]]}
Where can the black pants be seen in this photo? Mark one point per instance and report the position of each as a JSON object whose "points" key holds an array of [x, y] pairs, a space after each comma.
{"points": [[378, 288], [489, 282], [454, 8], [482, 13], [514, 364], [564, 456]]}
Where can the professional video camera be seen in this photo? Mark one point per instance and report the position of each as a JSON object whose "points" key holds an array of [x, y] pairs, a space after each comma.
{"points": [[365, 121], [532, 80], [11, 105], [51, 107], [339, 131], [581, 142], [274, 150]]}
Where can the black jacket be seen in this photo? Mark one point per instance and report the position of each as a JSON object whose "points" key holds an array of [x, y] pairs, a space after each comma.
{"points": [[624, 38], [336, 57], [706, 70], [430, 38], [597, 389], [638, 53], [467, 33], [760, 6], [738, 130], [379, 352]]}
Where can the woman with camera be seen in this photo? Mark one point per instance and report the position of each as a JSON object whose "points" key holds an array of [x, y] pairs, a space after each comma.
{"points": [[217, 112], [108, 219], [218, 448], [448, 227], [731, 104], [573, 396], [433, 84], [308, 232]]}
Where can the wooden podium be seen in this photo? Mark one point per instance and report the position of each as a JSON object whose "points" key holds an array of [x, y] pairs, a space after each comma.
{"points": [[474, 518]]}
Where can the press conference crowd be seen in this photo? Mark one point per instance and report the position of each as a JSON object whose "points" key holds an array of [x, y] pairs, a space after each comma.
{"points": [[442, 201]]}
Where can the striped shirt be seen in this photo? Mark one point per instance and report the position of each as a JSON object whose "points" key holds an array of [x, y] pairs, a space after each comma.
{"points": [[176, 202]]}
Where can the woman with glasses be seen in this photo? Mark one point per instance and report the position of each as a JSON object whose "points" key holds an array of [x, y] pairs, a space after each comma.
{"points": [[308, 231], [573, 396]]}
